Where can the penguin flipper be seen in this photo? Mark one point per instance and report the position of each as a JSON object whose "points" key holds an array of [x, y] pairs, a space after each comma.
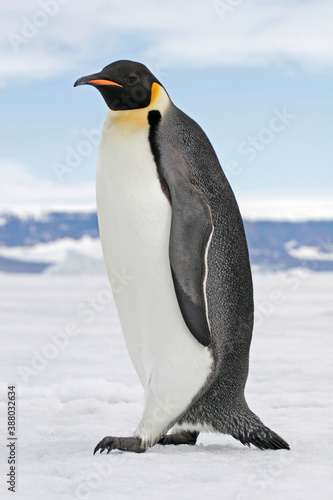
{"points": [[191, 229], [191, 224]]}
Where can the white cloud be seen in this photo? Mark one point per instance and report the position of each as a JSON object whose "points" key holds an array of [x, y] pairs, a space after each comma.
{"points": [[194, 33], [20, 191]]}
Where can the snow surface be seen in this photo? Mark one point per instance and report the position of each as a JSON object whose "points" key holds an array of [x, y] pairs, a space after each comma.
{"points": [[86, 388]]}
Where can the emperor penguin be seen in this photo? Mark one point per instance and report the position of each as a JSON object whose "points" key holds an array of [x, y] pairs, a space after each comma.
{"points": [[169, 219]]}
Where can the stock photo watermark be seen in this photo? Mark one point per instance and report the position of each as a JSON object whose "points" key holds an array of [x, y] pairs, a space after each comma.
{"points": [[264, 475], [11, 438], [74, 155], [293, 279], [222, 8], [254, 144], [31, 26], [84, 486]]}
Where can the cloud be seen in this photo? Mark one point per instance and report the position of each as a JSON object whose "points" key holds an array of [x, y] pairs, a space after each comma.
{"points": [[21, 191], [45, 38]]}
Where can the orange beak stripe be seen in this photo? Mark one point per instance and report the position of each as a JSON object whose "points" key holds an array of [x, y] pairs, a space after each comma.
{"points": [[104, 82]]}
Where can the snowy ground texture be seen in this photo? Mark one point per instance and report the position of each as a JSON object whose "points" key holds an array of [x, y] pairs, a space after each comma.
{"points": [[62, 346]]}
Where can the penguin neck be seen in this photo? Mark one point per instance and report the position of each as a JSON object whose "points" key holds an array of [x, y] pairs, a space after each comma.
{"points": [[137, 118]]}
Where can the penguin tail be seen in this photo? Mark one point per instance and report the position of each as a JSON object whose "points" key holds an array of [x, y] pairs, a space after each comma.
{"points": [[250, 430], [263, 438]]}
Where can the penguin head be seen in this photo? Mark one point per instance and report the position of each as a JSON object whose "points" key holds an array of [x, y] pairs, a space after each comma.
{"points": [[124, 85]]}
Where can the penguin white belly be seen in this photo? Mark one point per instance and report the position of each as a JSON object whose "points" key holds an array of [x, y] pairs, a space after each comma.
{"points": [[134, 219]]}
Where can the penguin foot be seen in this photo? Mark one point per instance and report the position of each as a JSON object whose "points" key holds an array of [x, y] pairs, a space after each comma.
{"points": [[185, 437], [110, 443]]}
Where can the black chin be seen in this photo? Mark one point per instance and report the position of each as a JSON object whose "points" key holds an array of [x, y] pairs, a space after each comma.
{"points": [[121, 99], [112, 95]]}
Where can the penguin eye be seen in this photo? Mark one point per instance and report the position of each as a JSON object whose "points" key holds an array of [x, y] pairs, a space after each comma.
{"points": [[131, 79]]}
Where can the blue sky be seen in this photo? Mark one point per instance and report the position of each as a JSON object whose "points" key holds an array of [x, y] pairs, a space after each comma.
{"points": [[257, 76]]}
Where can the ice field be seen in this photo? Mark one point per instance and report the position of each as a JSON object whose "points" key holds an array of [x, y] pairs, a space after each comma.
{"points": [[62, 346]]}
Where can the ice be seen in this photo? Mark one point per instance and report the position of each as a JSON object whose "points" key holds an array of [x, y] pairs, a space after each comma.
{"points": [[307, 252], [55, 251], [65, 256], [286, 209], [62, 346]]}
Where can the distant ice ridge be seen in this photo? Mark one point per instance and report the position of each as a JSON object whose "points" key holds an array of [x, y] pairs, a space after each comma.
{"points": [[309, 252], [64, 256], [56, 251], [41, 213], [77, 263], [78, 256], [68, 242], [256, 208]]}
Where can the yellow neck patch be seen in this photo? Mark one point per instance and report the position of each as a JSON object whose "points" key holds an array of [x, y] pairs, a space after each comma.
{"points": [[155, 88], [139, 117]]}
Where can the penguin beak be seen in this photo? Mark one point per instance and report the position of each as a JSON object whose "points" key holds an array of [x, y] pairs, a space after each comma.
{"points": [[95, 80]]}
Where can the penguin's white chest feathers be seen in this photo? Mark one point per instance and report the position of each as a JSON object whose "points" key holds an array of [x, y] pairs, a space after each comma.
{"points": [[134, 219]]}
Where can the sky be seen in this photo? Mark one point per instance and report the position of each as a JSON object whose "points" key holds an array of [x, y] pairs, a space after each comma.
{"points": [[256, 75]]}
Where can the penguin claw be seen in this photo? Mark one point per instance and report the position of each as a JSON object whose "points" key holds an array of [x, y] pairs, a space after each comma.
{"points": [[104, 444], [110, 443]]}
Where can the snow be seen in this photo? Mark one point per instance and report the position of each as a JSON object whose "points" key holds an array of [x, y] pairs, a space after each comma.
{"points": [[286, 209], [75, 262], [55, 251], [254, 208], [63, 348], [66, 255], [41, 212], [308, 252]]}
